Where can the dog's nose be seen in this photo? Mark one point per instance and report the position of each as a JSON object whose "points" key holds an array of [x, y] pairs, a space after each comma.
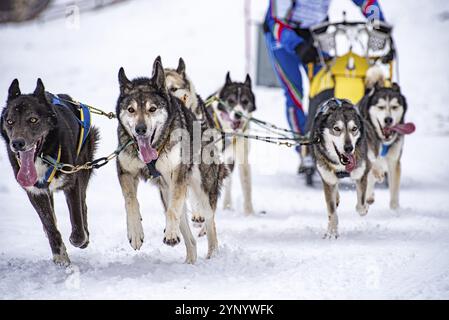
{"points": [[348, 148], [388, 121], [238, 116], [18, 144], [141, 129]]}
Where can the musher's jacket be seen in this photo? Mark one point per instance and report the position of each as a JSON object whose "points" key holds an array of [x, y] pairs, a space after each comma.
{"points": [[284, 16]]}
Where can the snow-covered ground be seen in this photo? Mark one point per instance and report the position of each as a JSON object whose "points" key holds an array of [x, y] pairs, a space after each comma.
{"points": [[280, 254]]}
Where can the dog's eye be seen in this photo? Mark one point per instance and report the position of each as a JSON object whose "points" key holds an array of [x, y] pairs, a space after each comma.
{"points": [[33, 120], [354, 129], [337, 129], [152, 109], [131, 110], [245, 102], [231, 101], [381, 108], [394, 108], [9, 121], [173, 89]]}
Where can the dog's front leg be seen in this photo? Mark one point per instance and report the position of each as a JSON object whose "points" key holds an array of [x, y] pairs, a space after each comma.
{"points": [[331, 195], [371, 183], [189, 240], [129, 183], [227, 202], [42, 204], [245, 179], [245, 175], [79, 237], [394, 181], [173, 214], [361, 186]]}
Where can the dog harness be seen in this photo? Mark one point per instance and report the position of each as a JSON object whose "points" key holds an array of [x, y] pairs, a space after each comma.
{"points": [[384, 151], [84, 120]]}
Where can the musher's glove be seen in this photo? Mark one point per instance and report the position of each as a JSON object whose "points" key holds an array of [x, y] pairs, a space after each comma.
{"points": [[307, 52]]}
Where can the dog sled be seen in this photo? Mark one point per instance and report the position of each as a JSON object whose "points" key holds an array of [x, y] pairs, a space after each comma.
{"points": [[346, 50]]}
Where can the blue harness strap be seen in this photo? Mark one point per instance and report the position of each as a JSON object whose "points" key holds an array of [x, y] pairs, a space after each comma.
{"points": [[384, 151], [84, 120]]}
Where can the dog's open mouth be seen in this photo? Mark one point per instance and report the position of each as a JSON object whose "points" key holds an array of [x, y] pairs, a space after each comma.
{"points": [[235, 124], [347, 159], [146, 152], [27, 175]]}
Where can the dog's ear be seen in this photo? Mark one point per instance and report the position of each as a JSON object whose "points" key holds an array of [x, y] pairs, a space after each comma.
{"points": [[181, 67], [39, 92], [125, 84], [14, 90], [395, 87], [248, 81], [228, 78], [2, 130], [159, 75]]}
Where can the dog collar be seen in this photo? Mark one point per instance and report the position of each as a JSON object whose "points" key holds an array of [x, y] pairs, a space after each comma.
{"points": [[385, 149], [342, 174]]}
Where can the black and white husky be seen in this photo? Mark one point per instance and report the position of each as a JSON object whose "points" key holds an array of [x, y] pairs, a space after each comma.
{"points": [[40, 126], [341, 151], [235, 104], [384, 110], [161, 132]]}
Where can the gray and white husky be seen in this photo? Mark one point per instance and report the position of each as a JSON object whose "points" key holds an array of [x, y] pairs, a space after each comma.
{"points": [[153, 118], [235, 104], [341, 151], [384, 110]]}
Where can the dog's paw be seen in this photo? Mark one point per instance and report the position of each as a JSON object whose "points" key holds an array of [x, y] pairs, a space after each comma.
{"points": [[331, 235], [211, 252], [197, 219], [227, 205], [79, 239], [362, 210], [379, 175], [394, 205], [171, 237], [135, 234], [202, 232], [62, 259], [370, 200], [248, 210], [191, 258], [332, 231]]}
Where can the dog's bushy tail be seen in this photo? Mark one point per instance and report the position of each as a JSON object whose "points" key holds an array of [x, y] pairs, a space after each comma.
{"points": [[374, 76]]}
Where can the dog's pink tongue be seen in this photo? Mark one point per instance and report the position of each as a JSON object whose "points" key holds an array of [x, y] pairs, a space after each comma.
{"points": [[27, 175], [352, 163], [147, 153], [404, 128]]}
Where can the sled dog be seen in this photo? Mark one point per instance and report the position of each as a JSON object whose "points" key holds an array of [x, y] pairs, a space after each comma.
{"points": [[234, 106], [149, 117], [340, 151], [383, 109], [40, 130]]}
